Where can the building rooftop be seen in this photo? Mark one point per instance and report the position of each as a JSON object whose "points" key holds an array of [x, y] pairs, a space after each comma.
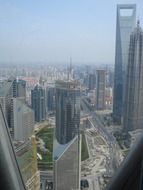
{"points": [[5, 88], [67, 84]]}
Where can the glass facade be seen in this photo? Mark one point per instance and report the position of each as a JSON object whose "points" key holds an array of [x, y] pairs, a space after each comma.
{"points": [[66, 151], [50, 97], [67, 111], [67, 173], [133, 112], [124, 27], [38, 103]]}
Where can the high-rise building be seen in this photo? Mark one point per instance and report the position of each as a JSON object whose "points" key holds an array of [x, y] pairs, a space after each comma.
{"points": [[19, 89], [9, 89], [100, 90], [66, 152], [126, 19], [133, 104], [50, 98], [22, 120], [38, 103], [92, 81]]}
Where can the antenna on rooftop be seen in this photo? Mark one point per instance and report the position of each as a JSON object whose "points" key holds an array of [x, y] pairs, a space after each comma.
{"points": [[70, 70]]}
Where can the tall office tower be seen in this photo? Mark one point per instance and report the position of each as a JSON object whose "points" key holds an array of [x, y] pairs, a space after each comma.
{"points": [[126, 19], [66, 151], [133, 104], [91, 81], [19, 89], [22, 120], [6, 94], [38, 103], [9, 89], [50, 98], [100, 89]]}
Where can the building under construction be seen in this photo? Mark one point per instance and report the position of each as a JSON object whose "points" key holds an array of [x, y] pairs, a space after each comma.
{"points": [[27, 159]]}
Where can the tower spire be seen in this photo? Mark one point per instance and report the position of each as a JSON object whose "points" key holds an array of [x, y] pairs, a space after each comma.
{"points": [[138, 23]]}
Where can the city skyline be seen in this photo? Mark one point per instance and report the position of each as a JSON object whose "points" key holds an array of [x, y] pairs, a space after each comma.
{"points": [[53, 31], [71, 94]]}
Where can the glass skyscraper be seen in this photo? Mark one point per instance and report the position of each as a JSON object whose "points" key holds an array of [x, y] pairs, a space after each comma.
{"points": [[66, 153], [38, 103], [126, 19], [133, 112]]}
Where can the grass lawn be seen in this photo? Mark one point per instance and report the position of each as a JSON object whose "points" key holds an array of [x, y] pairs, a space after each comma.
{"points": [[46, 134]]}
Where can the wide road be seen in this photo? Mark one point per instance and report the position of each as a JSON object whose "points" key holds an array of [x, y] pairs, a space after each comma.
{"points": [[112, 165], [99, 125]]}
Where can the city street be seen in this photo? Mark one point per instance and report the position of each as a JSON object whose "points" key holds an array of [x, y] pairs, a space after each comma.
{"points": [[103, 150]]}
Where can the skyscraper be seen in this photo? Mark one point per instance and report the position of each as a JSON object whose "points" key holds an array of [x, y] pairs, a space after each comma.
{"points": [[91, 81], [66, 153], [100, 90], [6, 94], [9, 89], [50, 98], [126, 19], [38, 103], [22, 120], [19, 89], [133, 104]]}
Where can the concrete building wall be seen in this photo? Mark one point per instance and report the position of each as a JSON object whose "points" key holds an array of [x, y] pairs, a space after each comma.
{"points": [[22, 120], [100, 90]]}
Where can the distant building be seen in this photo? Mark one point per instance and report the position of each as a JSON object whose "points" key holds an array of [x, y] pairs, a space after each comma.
{"points": [[110, 79], [22, 120], [66, 151], [100, 90], [9, 89], [38, 103], [50, 98], [133, 104], [92, 81], [126, 19], [6, 94], [19, 89], [108, 98]]}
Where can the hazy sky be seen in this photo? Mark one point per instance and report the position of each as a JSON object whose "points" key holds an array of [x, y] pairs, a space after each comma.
{"points": [[54, 30]]}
